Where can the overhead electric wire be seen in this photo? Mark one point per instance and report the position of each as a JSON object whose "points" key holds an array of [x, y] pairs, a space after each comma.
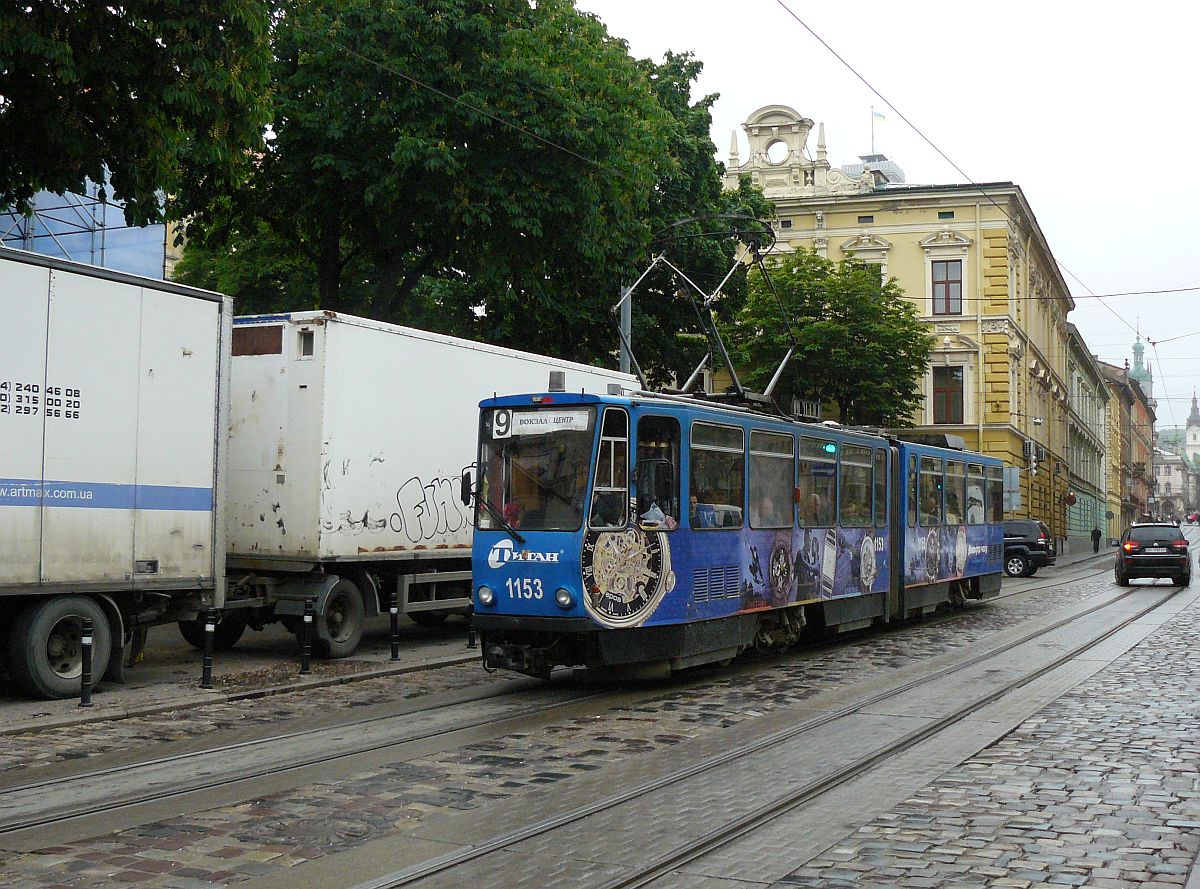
{"points": [[932, 145], [1171, 339]]}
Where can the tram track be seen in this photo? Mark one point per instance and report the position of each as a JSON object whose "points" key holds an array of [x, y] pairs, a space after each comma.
{"points": [[155, 780], [33, 805], [735, 830], [445, 864]]}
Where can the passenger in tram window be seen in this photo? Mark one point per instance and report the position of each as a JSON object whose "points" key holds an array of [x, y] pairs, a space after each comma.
{"points": [[929, 511], [766, 516], [703, 514], [820, 513], [953, 509], [607, 509]]}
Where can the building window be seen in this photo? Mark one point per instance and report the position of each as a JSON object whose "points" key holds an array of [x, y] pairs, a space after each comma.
{"points": [[947, 286], [945, 214], [948, 395], [785, 223], [865, 220]]}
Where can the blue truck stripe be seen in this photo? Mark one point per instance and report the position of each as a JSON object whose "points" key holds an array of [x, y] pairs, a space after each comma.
{"points": [[101, 495]]}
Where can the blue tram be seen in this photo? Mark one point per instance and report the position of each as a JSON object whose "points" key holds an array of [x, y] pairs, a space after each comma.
{"points": [[635, 529]]}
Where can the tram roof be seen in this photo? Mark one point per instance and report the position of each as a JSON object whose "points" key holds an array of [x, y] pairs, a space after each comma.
{"points": [[627, 398]]}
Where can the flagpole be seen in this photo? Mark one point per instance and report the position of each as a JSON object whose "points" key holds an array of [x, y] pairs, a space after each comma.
{"points": [[872, 129]]}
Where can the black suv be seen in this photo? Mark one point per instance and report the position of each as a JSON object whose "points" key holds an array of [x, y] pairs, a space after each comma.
{"points": [[1028, 546], [1153, 549]]}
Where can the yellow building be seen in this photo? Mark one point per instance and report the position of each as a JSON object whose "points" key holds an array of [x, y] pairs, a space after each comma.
{"points": [[977, 265]]}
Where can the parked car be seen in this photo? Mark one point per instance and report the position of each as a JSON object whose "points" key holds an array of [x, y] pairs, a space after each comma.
{"points": [[1028, 546], [1153, 549], [1194, 518]]}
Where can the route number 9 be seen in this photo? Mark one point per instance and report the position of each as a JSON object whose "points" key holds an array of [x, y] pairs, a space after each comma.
{"points": [[502, 423]]}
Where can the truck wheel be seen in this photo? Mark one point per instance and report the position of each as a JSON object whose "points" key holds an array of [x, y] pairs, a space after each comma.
{"points": [[229, 630], [46, 652], [428, 618], [339, 628], [1015, 565]]}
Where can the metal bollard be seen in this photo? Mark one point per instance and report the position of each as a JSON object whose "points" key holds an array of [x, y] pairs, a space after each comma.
{"points": [[210, 630], [471, 643], [85, 679], [395, 611], [306, 638]]}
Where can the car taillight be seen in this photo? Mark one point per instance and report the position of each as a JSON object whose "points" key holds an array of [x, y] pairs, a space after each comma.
{"points": [[1182, 543], [1130, 545], [1042, 540]]}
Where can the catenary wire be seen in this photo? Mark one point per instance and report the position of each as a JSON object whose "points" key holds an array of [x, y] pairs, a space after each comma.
{"points": [[933, 145]]}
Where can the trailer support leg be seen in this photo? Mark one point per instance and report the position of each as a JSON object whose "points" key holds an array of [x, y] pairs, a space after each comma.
{"points": [[306, 637], [395, 617], [85, 677], [210, 629]]}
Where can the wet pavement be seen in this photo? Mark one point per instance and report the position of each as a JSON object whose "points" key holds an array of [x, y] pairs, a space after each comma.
{"points": [[262, 664], [1101, 788]]}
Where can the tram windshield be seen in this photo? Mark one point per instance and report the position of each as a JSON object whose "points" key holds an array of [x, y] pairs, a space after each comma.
{"points": [[533, 468]]}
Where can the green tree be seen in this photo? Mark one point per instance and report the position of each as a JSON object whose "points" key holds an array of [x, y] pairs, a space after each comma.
{"points": [[405, 205], [382, 183], [668, 341], [859, 342], [168, 95]]}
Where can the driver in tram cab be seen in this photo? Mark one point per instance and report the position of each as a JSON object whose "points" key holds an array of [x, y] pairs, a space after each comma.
{"points": [[512, 513]]}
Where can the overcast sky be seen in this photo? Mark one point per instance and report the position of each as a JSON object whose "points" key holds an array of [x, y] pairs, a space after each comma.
{"points": [[1090, 108]]}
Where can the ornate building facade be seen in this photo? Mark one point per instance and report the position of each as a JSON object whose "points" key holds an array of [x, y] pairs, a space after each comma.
{"points": [[1131, 466], [981, 273], [1087, 443]]}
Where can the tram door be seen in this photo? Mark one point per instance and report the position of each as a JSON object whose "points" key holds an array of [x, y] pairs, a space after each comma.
{"points": [[657, 471]]}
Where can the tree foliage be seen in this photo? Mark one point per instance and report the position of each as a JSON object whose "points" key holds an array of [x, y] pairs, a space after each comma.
{"points": [[168, 95], [859, 343], [411, 172]]}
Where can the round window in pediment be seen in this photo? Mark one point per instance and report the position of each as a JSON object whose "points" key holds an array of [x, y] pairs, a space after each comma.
{"points": [[777, 151]]}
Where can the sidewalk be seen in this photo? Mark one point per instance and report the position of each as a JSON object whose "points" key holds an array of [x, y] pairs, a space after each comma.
{"points": [[261, 665]]}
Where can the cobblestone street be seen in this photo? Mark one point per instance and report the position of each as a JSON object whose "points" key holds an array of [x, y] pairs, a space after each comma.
{"points": [[1062, 800], [1100, 789]]}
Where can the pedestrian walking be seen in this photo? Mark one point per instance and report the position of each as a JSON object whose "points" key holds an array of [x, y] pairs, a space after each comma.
{"points": [[1095, 540]]}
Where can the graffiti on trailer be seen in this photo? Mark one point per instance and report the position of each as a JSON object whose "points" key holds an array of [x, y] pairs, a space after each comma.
{"points": [[348, 523], [427, 509]]}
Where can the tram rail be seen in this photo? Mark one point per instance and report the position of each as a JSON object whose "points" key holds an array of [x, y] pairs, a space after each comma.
{"points": [[732, 830]]}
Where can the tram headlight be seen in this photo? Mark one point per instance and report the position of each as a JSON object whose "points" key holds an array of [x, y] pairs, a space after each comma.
{"points": [[564, 598], [486, 596]]}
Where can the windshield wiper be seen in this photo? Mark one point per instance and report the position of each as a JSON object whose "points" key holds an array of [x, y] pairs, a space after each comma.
{"points": [[495, 514]]}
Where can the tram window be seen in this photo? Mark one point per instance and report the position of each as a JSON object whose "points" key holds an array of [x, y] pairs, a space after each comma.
{"points": [[532, 479], [657, 475], [931, 491], [956, 481], [856, 487], [610, 493], [913, 499], [995, 486], [717, 483], [816, 482], [976, 498], [880, 488], [772, 480]]}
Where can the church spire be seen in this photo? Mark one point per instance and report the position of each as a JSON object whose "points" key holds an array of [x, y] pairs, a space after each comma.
{"points": [[1194, 417], [1141, 371]]}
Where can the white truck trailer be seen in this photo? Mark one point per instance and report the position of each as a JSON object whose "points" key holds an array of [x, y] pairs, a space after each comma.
{"points": [[348, 440], [113, 410]]}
